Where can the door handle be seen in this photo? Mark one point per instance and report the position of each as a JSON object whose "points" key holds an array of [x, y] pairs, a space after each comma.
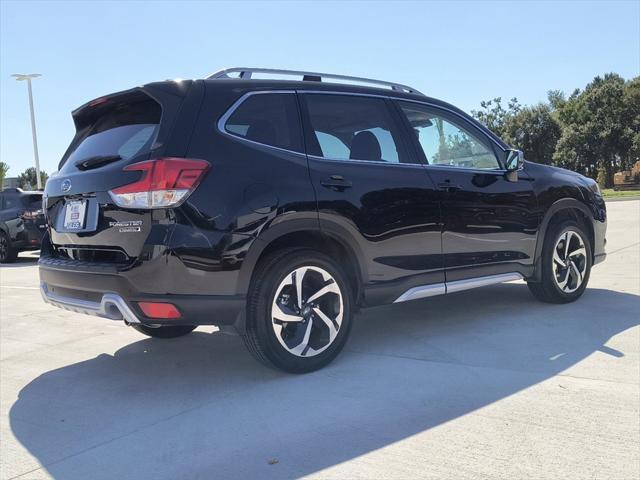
{"points": [[336, 182], [449, 187]]}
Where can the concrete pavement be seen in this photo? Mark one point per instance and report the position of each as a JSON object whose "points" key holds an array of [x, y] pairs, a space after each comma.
{"points": [[480, 384]]}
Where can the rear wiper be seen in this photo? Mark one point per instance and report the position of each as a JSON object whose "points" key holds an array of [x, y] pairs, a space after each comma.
{"points": [[97, 161]]}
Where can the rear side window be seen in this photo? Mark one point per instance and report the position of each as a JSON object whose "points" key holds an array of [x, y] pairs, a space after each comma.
{"points": [[267, 118], [127, 130], [10, 201], [345, 127]]}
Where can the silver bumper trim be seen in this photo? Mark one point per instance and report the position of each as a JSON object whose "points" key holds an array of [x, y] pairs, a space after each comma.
{"points": [[111, 306]]}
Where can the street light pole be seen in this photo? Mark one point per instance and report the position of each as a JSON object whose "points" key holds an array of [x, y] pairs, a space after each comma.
{"points": [[21, 77]]}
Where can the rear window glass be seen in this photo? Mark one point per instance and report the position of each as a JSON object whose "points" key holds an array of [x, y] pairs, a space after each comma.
{"points": [[33, 202], [127, 130], [268, 118]]}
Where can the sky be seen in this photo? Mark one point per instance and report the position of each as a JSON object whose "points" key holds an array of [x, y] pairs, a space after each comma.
{"points": [[462, 52]]}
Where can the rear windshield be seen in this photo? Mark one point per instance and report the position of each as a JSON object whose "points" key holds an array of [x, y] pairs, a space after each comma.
{"points": [[33, 201], [127, 130]]}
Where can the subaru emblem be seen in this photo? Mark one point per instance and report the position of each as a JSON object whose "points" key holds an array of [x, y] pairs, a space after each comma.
{"points": [[66, 185]]}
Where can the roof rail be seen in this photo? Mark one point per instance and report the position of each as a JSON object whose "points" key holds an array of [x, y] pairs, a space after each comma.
{"points": [[247, 72]]}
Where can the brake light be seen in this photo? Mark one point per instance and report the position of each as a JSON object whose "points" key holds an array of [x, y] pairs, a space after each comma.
{"points": [[31, 214], [165, 182], [159, 310], [98, 101]]}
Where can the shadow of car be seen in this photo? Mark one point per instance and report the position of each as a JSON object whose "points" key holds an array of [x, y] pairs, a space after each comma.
{"points": [[199, 407]]}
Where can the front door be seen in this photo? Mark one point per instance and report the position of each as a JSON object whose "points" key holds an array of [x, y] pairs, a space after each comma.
{"points": [[370, 186], [490, 222]]}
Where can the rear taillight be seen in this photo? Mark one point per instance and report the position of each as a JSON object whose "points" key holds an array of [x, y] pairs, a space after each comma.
{"points": [[165, 182], [31, 214]]}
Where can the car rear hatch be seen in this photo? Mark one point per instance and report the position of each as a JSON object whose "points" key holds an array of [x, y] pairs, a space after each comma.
{"points": [[115, 134], [33, 217]]}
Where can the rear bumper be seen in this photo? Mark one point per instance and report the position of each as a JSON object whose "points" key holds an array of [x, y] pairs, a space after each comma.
{"points": [[103, 291], [111, 305], [30, 235]]}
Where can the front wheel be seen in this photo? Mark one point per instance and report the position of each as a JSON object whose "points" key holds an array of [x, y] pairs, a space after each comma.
{"points": [[565, 264], [164, 331], [299, 311]]}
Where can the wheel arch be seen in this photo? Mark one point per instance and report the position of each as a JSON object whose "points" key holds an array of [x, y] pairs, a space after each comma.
{"points": [[568, 208], [305, 233]]}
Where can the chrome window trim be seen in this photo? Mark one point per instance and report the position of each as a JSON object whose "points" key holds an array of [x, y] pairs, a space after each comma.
{"points": [[223, 119], [499, 171], [235, 105], [369, 162], [348, 94]]}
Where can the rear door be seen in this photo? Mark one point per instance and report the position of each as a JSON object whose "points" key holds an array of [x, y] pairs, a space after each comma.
{"points": [[370, 187], [111, 133], [490, 222]]}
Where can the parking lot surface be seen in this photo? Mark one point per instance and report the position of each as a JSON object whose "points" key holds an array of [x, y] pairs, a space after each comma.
{"points": [[487, 383]]}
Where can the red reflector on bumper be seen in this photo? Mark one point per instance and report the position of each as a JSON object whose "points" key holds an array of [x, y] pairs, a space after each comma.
{"points": [[159, 310]]}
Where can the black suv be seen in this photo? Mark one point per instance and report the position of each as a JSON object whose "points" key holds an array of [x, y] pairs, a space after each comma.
{"points": [[22, 222], [277, 208]]}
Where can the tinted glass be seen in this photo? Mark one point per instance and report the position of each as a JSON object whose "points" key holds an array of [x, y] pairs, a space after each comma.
{"points": [[445, 142], [10, 201], [33, 201], [353, 128], [128, 131], [268, 118]]}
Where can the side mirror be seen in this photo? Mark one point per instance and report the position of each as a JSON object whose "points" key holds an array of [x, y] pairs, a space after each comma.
{"points": [[515, 162]]}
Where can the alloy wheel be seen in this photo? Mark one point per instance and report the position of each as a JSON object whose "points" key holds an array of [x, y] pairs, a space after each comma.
{"points": [[569, 261], [307, 311], [4, 247]]}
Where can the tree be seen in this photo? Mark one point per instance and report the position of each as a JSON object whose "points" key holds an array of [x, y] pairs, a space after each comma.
{"points": [[602, 177], [595, 127], [535, 131], [27, 179], [4, 168], [494, 116], [556, 98], [631, 100]]}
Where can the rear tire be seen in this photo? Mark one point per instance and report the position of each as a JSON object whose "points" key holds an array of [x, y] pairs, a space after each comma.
{"points": [[565, 269], [299, 310], [8, 253], [165, 331]]}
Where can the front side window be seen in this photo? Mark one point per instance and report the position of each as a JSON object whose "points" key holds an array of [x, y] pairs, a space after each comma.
{"points": [[268, 118], [447, 143], [345, 127]]}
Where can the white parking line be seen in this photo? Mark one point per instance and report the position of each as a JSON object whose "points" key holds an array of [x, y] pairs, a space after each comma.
{"points": [[21, 288]]}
